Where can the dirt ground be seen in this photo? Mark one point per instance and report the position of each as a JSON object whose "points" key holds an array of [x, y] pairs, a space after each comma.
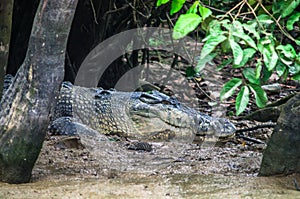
{"points": [[94, 167]]}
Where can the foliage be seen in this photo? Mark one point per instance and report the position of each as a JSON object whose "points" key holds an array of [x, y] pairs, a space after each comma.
{"points": [[251, 30]]}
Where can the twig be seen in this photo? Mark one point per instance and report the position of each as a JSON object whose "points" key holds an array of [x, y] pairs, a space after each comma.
{"points": [[277, 22], [221, 11], [215, 9], [269, 125], [169, 20], [116, 10], [204, 92], [256, 141], [239, 11], [232, 9], [136, 10], [253, 12], [94, 12]]}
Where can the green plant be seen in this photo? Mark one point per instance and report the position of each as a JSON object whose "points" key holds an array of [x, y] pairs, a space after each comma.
{"points": [[248, 30]]}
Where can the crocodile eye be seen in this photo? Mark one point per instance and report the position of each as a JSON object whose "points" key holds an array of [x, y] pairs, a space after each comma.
{"points": [[166, 102], [100, 94]]}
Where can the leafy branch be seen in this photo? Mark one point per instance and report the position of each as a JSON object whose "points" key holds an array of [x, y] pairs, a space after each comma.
{"points": [[246, 31]]}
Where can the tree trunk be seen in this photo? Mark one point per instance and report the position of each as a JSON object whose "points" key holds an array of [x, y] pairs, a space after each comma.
{"points": [[5, 32], [25, 107]]}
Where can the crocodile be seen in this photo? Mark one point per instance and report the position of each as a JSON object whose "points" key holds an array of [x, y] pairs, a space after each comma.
{"points": [[139, 115]]}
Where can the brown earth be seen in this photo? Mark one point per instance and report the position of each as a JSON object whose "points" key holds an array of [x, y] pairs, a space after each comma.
{"points": [[87, 168]]}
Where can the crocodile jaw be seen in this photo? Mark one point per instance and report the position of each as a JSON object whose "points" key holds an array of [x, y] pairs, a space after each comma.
{"points": [[184, 122]]}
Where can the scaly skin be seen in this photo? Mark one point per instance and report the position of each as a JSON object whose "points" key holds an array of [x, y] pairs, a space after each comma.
{"points": [[140, 115]]}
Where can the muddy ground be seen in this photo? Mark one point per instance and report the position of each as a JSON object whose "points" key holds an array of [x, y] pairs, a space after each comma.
{"points": [[94, 167]]}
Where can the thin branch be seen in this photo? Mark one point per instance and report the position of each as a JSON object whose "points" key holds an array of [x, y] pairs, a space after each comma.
{"points": [[169, 20], [116, 10], [239, 11], [94, 12], [204, 92], [136, 10], [277, 22], [221, 11], [268, 125], [253, 12], [249, 139], [232, 9]]}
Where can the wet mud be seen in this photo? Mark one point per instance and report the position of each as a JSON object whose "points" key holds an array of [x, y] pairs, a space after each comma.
{"points": [[98, 167]]}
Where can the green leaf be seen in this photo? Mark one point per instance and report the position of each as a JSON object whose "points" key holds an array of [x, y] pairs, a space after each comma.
{"points": [[211, 43], [266, 74], [296, 77], [204, 12], [251, 28], [258, 69], [227, 24], [202, 62], [263, 42], [265, 19], [229, 88], [247, 54], [270, 56], [286, 62], [160, 2], [176, 6], [285, 7], [260, 95], [190, 72], [205, 23], [225, 46], [249, 74], [290, 8], [246, 38], [287, 50], [214, 28], [293, 19], [194, 8], [280, 68], [185, 24], [252, 2], [237, 51], [294, 69], [242, 100], [237, 27]]}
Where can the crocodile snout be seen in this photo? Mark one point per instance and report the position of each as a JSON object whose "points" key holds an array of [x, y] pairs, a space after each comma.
{"points": [[223, 127]]}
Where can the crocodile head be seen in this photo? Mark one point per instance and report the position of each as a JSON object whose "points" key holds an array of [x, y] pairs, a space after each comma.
{"points": [[158, 115]]}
